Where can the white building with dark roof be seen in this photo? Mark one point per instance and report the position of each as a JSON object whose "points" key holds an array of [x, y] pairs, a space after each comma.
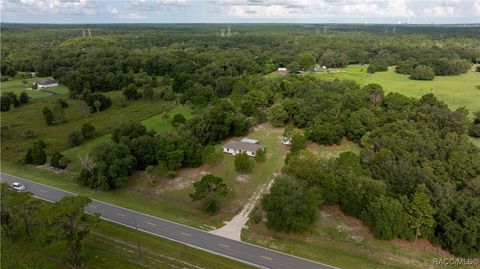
{"points": [[46, 83], [247, 145]]}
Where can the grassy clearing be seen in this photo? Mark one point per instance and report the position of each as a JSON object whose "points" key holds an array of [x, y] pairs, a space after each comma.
{"points": [[17, 87], [333, 151], [345, 242], [56, 136], [114, 246], [155, 123], [158, 123], [456, 91]]}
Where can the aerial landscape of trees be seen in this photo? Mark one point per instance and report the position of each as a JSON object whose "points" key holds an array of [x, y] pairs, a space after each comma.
{"points": [[417, 171]]}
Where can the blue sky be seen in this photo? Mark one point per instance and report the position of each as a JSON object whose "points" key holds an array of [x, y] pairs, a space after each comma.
{"points": [[240, 11]]}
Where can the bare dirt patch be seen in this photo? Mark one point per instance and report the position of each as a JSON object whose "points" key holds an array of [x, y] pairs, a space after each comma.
{"points": [[185, 178], [242, 178]]}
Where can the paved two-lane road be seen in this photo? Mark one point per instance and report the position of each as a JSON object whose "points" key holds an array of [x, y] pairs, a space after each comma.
{"points": [[240, 251]]}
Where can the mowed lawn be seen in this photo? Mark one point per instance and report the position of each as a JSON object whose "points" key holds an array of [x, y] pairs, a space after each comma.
{"points": [[455, 91], [156, 123], [16, 86], [111, 245]]}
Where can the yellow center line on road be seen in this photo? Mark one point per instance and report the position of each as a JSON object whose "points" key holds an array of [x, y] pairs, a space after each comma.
{"points": [[44, 191], [92, 206], [153, 224], [266, 258], [121, 215], [223, 245], [186, 234]]}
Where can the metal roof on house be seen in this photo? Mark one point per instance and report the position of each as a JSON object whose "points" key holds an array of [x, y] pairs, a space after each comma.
{"points": [[45, 82], [244, 146], [249, 140]]}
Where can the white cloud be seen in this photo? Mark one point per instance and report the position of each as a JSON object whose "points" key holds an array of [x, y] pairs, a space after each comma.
{"points": [[85, 7], [132, 16], [440, 11], [476, 7]]}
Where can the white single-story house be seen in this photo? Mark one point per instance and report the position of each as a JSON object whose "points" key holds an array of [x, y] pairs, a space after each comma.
{"points": [[282, 69], [46, 83], [247, 145]]}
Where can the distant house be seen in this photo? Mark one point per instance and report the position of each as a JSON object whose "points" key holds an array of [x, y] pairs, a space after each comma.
{"points": [[46, 83], [287, 141], [282, 69], [247, 145]]}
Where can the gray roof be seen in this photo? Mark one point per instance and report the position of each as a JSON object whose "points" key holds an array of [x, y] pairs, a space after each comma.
{"points": [[45, 82], [249, 140], [239, 145]]}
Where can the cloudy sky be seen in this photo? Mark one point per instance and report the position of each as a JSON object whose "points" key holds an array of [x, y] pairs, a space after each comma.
{"points": [[240, 11]]}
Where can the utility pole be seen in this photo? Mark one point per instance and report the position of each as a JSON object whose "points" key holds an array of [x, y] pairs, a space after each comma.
{"points": [[83, 32], [89, 32]]}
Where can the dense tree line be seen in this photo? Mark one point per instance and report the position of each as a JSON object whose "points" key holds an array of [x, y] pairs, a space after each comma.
{"points": [[115, 58], [416, 175]]}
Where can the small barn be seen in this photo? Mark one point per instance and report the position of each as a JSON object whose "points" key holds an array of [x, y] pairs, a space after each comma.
{"points": [[247, 145]]}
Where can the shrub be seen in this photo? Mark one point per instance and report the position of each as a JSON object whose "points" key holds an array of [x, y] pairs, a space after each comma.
{"points": [[36, 154], [62, 102], [23, 97], [210, 155], [55, 161], [422, 72], [88, 131], [171, 174], [130, 92], [48, 115], [98, 101], [377, 65], [178, 119], [243, 163], [75, 138], [260, 156]]}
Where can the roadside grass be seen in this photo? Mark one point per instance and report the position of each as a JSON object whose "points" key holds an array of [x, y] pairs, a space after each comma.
{"points": [[169, 198], [345, 242], [30, 116], [156, 123], [16, 86], [111, 245], [455, 91]]}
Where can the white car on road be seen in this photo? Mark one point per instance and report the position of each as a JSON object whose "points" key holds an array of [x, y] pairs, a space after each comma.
{"points": [[18, 186]]}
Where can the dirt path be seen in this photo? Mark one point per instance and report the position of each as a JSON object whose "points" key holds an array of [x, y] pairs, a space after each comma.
{"points": [[233, 228]]}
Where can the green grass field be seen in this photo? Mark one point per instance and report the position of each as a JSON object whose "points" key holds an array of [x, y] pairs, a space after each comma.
{"points": [[17, 87], [155, 123], [30, 116], [455, 91], [158, 123], [111, 245]]}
